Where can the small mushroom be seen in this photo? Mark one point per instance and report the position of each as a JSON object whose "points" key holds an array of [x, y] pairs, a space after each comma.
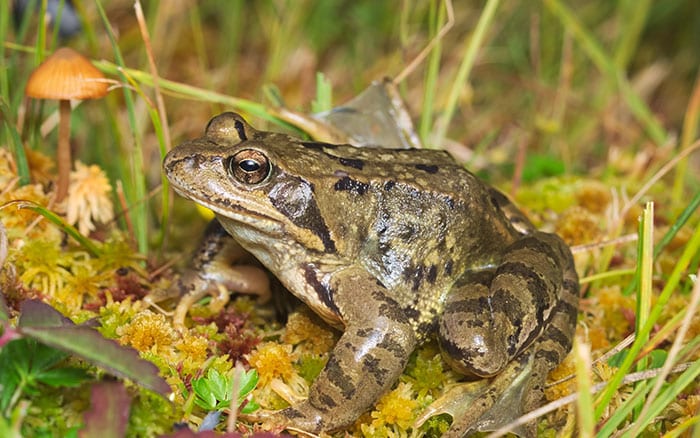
{"points": [[63, 76]]}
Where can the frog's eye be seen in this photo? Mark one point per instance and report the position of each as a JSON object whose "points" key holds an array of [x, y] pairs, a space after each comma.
{"points": [[249, 166]]}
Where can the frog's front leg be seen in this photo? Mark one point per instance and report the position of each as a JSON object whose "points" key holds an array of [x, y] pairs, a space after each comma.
{"points": [[490, 317], [212, 271], [366, 361]]}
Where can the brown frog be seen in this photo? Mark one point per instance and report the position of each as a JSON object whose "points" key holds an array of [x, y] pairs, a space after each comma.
{"points": [[391, 247]]}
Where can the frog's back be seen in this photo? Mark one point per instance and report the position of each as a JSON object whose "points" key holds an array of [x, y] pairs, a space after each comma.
{"points": [[415, 219], [424, 170]]}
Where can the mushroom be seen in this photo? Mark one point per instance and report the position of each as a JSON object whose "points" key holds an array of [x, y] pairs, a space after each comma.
{"points": [[63, 76]]}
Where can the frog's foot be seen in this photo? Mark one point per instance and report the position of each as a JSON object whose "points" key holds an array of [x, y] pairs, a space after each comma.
{"points": [[486, 404], [301, 419]]}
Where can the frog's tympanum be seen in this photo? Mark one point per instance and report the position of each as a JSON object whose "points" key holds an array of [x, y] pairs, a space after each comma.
{"points": [[391, 247]]}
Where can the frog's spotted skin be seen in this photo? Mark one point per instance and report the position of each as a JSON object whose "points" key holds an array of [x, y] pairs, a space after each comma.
{"points": [[391, 246]]}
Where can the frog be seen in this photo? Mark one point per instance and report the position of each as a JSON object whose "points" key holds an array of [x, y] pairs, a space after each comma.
{"points": [[393, 247]]}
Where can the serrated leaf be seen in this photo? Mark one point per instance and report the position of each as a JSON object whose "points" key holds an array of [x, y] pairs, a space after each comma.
{"points": [[9, 378], [249, 380], [218, 384], [45, 324], [42, 357], [71, 377], [15, 357], [205, 398], [108, 416]]}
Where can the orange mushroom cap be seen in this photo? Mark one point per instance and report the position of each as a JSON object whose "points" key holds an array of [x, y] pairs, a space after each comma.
{"points": [[66, 75]]}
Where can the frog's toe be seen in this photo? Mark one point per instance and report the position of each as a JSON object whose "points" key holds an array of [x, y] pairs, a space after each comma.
{"points": [[459, 403], [487, 404], [303, 419]]}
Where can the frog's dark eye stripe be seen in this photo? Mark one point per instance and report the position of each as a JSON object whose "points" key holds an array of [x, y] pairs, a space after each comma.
{"points": [[241, 130], [249, 166]]}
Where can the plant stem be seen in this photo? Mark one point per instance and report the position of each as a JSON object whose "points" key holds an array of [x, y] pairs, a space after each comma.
{"points": [[63, 155]]}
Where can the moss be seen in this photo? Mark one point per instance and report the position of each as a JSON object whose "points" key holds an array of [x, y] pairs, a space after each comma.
{"points": [[151, 415], [394, 413], [273, 361]]}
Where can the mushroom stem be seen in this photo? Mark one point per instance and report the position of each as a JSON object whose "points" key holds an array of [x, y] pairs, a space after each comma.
{"points": [[63, 155]]}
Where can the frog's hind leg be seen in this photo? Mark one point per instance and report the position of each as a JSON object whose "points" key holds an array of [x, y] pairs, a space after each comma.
{"points": [[491, 316], [490, 404], [555, 343], [514, 323]]}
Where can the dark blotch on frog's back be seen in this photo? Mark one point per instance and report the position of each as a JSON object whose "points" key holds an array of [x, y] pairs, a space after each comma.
{"points": [[351, 185], [448, 267], [432, 274], [430, 168], [355, 163]]}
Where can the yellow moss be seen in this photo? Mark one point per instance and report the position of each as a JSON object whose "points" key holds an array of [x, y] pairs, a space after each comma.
{"points": [[17, 221], [682, 409], [194, 349], [597, 338], [577, 225], [273, 360], [593, 195], [117, 253], [609, 312], [84, 281], [42, 265], [7, 168], [222, 364], [115, 315], [397, 407], [312, 337], [40, 166], [676, 304], [148, 331], [563, 370]]}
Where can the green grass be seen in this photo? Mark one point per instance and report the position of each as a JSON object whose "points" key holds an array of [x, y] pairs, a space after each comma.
{"points": [[605, 92]]}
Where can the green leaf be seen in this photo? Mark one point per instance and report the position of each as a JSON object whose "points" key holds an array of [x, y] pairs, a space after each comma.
{"points": [[70, 377], [43, 357], [658, 357], [249, 380], [45, 324], [205, 398], [26, 363], [9, 376], [250, 407], [539, 166], [219, 385], [617, 358]]}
